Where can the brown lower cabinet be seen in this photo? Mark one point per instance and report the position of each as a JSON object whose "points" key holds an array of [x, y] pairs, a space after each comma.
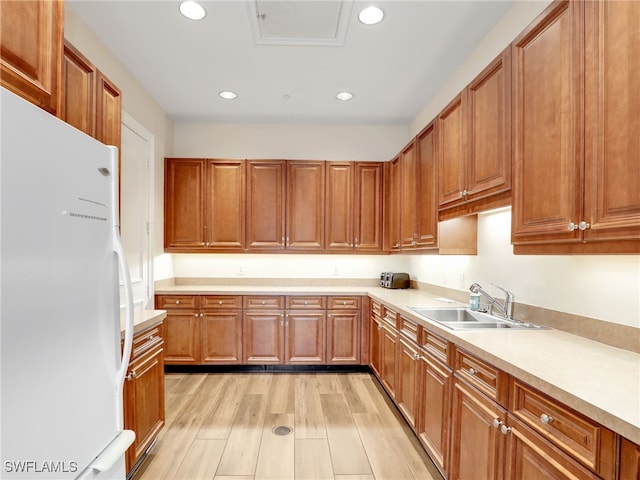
{"points": [[143, 396], [475, 421], [261, 329]]}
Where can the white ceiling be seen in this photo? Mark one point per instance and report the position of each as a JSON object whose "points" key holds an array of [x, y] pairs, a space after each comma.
{"points": [[393, 68]]}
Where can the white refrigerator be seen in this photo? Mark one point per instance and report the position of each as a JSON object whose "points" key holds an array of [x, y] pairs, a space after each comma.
{"points": [[62, 264]]}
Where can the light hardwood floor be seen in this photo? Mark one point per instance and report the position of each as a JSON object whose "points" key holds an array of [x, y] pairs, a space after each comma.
{"points": [[219, 426]]}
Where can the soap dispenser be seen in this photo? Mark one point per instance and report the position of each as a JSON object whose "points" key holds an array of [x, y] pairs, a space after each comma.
{"points": [[474, 301]]}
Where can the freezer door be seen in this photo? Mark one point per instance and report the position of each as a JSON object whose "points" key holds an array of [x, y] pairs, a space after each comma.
{"points": [[59, 324]]}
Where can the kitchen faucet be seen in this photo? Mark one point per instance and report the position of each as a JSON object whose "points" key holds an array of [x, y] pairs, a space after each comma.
{"points": [[505, 309]]}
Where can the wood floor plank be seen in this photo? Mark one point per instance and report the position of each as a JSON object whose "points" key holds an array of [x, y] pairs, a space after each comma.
{"points": [[355, 477], [313, 459], [243, 446], [282, 394], [309, 419], [417, 459], [171, 380], [172, 446], [356, 395], [205, 395], [347, 451], [389, 414], [260, 383], [276, 457], [188, 384], [387, 462], [328, 383], [218, 420], [201, 460]]}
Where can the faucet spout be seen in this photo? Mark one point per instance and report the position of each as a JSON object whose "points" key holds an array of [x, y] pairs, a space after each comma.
{"points": [[506, 308]]}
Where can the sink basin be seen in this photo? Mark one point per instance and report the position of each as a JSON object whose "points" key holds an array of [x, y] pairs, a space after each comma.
{"points": [[461, 318]]}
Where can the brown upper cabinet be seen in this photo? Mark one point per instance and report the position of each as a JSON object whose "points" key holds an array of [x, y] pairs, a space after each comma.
{"points": [[474, 142], [89, 100], [265, 204], [576, 121], [393, 188], [353, 214], [305, 205], [31, 45], [204, 204]]}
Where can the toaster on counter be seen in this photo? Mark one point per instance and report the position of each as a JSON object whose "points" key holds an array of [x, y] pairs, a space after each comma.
{"points": [[394, 280]]}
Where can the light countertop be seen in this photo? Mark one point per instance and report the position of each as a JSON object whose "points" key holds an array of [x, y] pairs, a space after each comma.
{"points": [[601, 381]]}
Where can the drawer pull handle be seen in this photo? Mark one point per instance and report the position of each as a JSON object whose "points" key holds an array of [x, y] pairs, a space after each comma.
{"points": [[379, 326], [472, 371], [177, 302], [219, 302], [131, 376], [504, 429], [546, 419], [416, 356], [497, 423]]}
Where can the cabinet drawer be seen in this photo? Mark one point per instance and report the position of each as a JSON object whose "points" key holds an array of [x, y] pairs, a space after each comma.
{"points": [[376, 308], [168, 302], [302, 302], [351, 303], [436, 346], [264, 302], [587, 441], [390, 317], [409, 329], [488, 379], [221, 301], [145, 340]]}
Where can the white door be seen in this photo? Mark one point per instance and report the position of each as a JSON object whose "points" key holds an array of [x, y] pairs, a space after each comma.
{"points": [[135, 204]]}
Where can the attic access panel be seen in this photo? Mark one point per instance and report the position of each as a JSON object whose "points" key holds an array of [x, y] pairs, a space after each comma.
{"points": [[299, 22]]}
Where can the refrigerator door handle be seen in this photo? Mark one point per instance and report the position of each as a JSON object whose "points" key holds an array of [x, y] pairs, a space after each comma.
{"points": [[128, 295], [111, 454]]}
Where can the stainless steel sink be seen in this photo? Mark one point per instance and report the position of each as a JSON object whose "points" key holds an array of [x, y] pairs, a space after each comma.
{"points": [[461, 318]]}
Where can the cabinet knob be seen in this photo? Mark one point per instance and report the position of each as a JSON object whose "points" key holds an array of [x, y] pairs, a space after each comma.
{"points": [[130, 376], [416, 356], [497, 423], [546, 419], [219, 302], [306, 303], [472, 371], [379, 326], [572, 226], [583, 225], [177, 302], [504, 429]]}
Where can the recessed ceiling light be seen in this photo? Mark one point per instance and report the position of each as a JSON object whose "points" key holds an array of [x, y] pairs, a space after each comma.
{"points": [[371, 15], [192, 10], [228, 94], [344, 96]]}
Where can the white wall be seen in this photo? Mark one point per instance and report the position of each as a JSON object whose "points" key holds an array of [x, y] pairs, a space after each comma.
{"points": [[286, 266], [606, 287], [291, 142]]}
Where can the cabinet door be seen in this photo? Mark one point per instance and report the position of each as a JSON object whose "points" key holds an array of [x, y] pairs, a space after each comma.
{"points": [[368, 206], [265, 204], [427, 175], [393, 197], [477, 446], [305, 332], [530, 456], [375, 345], [78, 93], [434, 418], [408, 197], [343, 337], [612, 113], [184, 204], [221, 337], [144, 402], [305, 205], [31, 45], [407, 376], [548, 124], [225, 204], [339, 213], [181, 332], [388, 359], [629, 459], [108, 112], [489, 130], [452, 152], [263, 337]]}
